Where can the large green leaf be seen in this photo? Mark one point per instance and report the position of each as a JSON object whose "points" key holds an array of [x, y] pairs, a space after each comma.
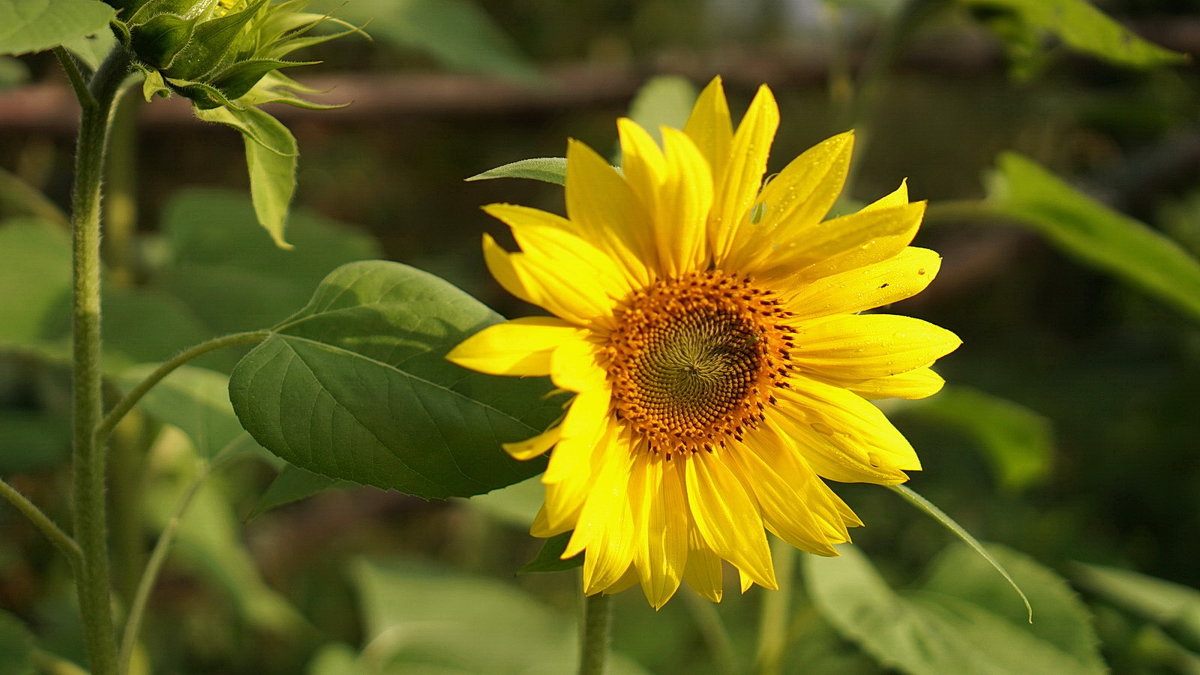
{"points": [[961, 621], [37, 25], [1018, 441], [420, 619], [271, 153], [356, 386], [293, 484], [16, 646], [1083, 28], [234, 278], [1095, 234], [459, 34], [1173, 607]]}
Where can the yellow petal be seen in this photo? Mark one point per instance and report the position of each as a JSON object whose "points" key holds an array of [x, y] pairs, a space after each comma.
{"points": [[783, 457], [727, 517], [919, 383], [897, 197], [681, 206], [500, 264], [518, 347], [576, 364], [605, 526], [842, 436], [605, 212], [532, 447], [660, 513], [854, 347], [709, 126], [584, 424], [558, 270], [796, 199], [855, 290], [738, 183], [642, 163], [703, 571], [843, 243], [784, 511]]}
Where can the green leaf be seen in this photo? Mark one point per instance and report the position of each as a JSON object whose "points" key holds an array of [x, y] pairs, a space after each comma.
{"points": [[37, 25], [16, 646], [193, 399], [293, 484], [158, 41], [271, 153], [1018, 441], [545, 169], [92, 49], [665, 100], [1083, 28], [949, 523], [36, 258], [943, 628], [210, 42], [356, 386], [421, 619], [1095, 234], [234, 278], [549, 558], [459, 34], [1173, 607]]}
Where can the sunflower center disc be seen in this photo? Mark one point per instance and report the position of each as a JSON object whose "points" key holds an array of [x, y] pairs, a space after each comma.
{"points": [[693, 359]]}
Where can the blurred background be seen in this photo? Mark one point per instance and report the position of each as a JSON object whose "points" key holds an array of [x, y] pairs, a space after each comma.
{"points": [[1070, 432]]}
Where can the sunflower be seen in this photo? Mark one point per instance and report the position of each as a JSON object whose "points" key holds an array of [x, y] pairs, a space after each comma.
{"points": [[709, 325]]}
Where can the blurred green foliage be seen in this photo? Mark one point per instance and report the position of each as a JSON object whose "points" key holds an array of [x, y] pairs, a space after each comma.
{"points": [[1080, 449]]}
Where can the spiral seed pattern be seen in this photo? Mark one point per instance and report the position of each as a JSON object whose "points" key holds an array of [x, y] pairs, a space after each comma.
{"points": [[694, 358]]}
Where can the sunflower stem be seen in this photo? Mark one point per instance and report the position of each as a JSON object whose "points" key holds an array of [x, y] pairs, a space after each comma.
{"points": [[88, 466], [776, 612], [597, 621]]}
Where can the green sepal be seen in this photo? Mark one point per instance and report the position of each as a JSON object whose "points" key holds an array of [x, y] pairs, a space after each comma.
{"points": [[241, 77], [213, 41], [549, 558], [158, 41], [153, 84], [546, 169], [203, 96]]}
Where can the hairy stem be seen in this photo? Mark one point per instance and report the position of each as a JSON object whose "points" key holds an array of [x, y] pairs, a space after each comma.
{"points": [[92, 579], [593, 646], [122, 408], [53, 532]]}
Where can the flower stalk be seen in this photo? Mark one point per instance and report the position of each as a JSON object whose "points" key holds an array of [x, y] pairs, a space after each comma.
{"points": [[92, 578], [597, 623]]}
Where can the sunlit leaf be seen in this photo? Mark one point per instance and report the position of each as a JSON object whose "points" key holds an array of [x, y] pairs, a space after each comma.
{"points": [[950, 625], [1094, 233], [16, 646], [545, 169], [1082, 27], [271, 153], [356, 386], [515, 505], [1173, 607], [37, 25], [1018, 441]]}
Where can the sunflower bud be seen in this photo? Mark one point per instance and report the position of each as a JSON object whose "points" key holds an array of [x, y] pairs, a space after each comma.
{"points": [[215, 52]]}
